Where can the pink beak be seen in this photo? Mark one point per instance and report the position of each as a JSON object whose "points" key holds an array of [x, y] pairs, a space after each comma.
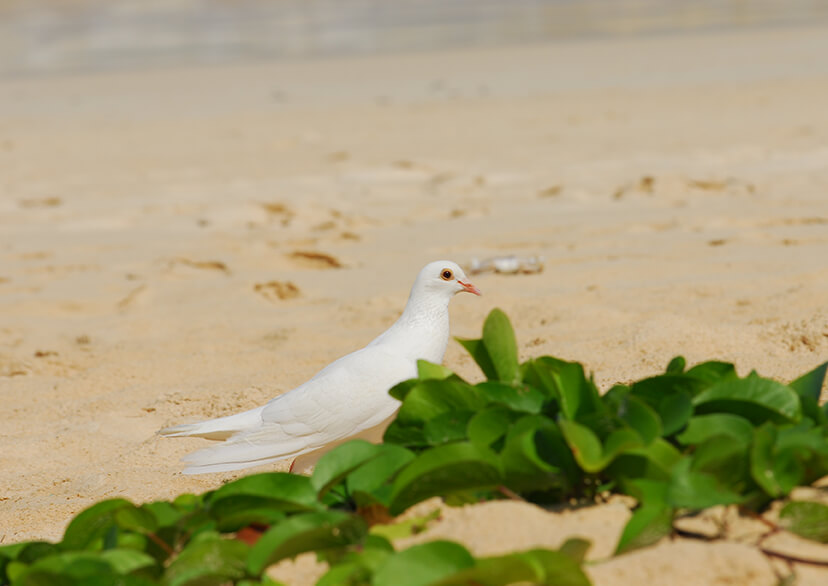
{"points": [[470, 288]]}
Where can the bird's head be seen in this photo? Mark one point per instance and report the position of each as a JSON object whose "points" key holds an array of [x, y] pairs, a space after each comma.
{"points": [[446, 277]]}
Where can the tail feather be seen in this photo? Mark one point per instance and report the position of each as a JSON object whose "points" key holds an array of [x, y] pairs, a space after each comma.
{"points": [[243, 451], [217, 429]]}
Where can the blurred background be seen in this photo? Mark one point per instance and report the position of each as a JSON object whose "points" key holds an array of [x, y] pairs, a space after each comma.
{"points": [[71, 35]]}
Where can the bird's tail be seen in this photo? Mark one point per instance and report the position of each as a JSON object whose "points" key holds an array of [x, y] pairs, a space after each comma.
{"points": [[216, 429]]}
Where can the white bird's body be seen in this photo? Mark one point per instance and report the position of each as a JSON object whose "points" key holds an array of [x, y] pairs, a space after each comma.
{"points": [[346, 399]]}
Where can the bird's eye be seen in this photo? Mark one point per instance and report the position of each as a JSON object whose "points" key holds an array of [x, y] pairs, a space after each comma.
{"points": [[447, 275]]}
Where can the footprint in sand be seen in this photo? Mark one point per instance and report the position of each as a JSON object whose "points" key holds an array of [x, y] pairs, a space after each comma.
{"points": [[279, 211], [211, 265], [314, 260], [277, 290]]}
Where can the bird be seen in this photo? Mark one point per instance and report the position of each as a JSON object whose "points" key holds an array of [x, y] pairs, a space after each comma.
{"points": [[347, 399]]}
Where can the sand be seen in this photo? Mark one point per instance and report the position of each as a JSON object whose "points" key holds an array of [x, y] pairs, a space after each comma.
{"points": [[178, 244]]}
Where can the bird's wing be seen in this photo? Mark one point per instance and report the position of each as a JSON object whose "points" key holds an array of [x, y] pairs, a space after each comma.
{"points": [[348, 396]]}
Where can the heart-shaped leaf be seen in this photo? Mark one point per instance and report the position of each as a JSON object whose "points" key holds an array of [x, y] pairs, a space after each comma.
{"points": [[336, 464], [423, 565], [209, 560], [538, 566], [442, 471], [703, 427], [753, 397], [93, 523], [305, 532]]}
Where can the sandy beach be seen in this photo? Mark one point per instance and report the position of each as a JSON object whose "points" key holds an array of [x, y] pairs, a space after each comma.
{"points": [[184, 243]]}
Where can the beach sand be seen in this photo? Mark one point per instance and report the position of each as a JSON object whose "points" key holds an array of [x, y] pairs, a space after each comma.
{"points": [[180, 244]]}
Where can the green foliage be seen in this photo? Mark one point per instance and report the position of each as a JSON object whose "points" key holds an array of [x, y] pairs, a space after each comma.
{"points": [[678, 441], [444, 563], [809, 520]]}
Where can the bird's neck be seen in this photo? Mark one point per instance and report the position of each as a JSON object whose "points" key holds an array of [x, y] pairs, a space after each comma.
{"points": [[424, 310], [423, 327]]}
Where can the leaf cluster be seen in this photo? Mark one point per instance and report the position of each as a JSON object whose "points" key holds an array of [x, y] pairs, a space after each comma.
{"points": [[233, 534], [678, 442], [537, 430]]}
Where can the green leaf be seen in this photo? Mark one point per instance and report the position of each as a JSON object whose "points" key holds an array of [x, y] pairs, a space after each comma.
{"points": [[8, 553], [351, 573], [355, 568], [208, 561], [165, 513], [670, 396], [653, 462], [676, 365], [806, 519], [400, 390], [131, 540], [648, 525], [536, 566], [812, 411], [575, 548], [809, 388], [675, 411], [29, 552], [801, 438], [753, 397], [810, 384], [536, 457], [429, 370], [126, 561], [92, 523], [501, 346], [405, 435], [712, 371], [261, 498], [305, 532], [703, 427], [85, 567], [441, 471], [590, 454], [478, 352], [14, 570], [578, 396], [430, 398], [641, 418], [279, 490], [232, 514], [370, 482], [447, 427], [518, 397], [188, 502], [727, 461], [423, 565], [653, 389], [405, 528], [779, 458], [490, 425], [694, 488], [138, 519], [336, 464]]}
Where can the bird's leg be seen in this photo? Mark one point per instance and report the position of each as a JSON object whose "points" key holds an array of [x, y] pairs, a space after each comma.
{"points": [[292, 464]]}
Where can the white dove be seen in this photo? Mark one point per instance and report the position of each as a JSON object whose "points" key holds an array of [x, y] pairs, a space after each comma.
{"points": [[346, 399]]}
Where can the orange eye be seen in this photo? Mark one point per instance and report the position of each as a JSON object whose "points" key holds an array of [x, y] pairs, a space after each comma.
{"points": [[447, 275]]}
